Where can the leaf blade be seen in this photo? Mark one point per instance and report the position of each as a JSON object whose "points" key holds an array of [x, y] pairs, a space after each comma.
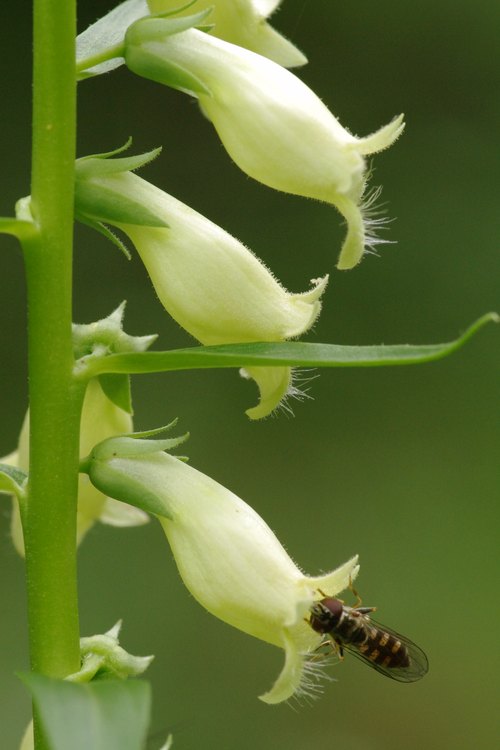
{"points": [[102, 715], [293, 353]]}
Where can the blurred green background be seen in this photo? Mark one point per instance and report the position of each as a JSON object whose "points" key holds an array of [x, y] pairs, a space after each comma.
{"points": [[399, 465]]}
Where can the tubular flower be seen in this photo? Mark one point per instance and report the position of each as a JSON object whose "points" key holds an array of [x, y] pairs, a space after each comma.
{"points": [[271, 124], [243, 22], [212, 285], [227, 556], [100, 419]]}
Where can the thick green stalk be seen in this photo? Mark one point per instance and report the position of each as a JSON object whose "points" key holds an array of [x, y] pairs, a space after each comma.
{"points": [[50, 517]]}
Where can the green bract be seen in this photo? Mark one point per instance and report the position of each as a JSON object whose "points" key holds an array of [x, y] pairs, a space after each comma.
{"points": [[271, 124]]}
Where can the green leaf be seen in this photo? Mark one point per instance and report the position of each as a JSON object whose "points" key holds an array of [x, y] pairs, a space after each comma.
{"points": [[107, 715], [293, 353], [117, 389]]}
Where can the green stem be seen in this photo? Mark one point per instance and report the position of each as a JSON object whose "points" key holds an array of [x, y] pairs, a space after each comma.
{"points": [[108, 54], [55, 400]]}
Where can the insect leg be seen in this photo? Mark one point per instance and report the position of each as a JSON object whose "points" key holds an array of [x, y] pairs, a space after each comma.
{"points": [[359, 600], [339, 648]]}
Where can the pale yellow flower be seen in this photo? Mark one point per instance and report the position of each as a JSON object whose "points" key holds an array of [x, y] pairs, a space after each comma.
{"points": [[211, 284], [227, 556], [272, 125]]}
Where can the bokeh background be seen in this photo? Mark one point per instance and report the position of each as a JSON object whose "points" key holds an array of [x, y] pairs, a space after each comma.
{"points": [[397, 464]]}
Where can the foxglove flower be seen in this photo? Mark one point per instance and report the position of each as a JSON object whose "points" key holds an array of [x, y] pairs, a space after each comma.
{"points": [[271, 124], [227, 556], [243, 22], [212, 285], [100, 419]]}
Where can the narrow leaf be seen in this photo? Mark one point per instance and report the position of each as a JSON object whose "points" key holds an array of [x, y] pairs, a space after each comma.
{"points": [[293, 353]]}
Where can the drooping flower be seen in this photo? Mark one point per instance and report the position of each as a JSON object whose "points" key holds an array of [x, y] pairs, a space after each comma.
{"points": [[271, 124], [100, 419], [243, 22], [227, 556], [210, 283]]}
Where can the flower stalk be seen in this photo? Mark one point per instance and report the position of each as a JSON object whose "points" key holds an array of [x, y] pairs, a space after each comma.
{"points": [[55, 401]]}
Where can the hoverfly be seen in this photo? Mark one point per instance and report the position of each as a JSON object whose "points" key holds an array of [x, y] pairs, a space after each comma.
{"points": [[352, 629]]}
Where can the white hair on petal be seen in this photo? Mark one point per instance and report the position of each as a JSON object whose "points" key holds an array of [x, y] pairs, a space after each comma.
{"points": [[374, 220], [313, 677]]}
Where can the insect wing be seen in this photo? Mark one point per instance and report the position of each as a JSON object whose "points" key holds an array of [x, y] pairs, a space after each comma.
{"points": [[418, 663], [414, 671]]}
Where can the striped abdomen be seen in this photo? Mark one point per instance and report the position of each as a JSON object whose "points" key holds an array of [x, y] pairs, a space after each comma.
{"points": [[380, 647]]}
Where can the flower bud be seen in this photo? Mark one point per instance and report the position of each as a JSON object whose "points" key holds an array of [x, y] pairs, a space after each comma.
{"points": [[227, 556], [212, 285], [102, 657], [271, 124]]}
